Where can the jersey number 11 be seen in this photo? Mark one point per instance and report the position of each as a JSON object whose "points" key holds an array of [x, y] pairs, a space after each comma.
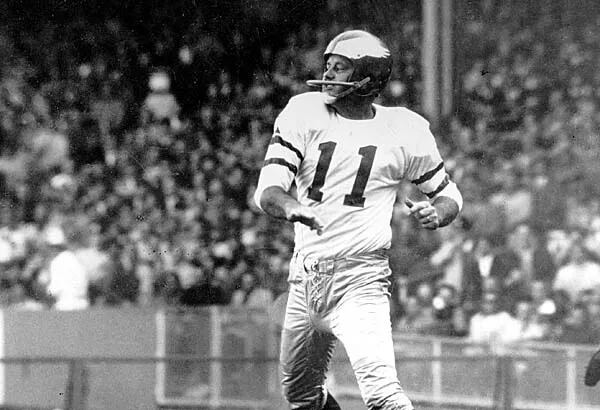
{"points": [[355, 198]]}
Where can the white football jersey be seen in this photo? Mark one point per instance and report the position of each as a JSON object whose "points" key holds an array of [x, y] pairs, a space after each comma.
{"points": [[349, 171]]}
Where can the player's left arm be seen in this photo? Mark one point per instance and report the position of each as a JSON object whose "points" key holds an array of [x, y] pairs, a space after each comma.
{"points": [[447, 209], [426, 170], [434, 214]]}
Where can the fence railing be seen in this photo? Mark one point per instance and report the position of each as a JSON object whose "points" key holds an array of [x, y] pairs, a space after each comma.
{"points": [[432, 380], [441, 371], [533, 375], [219, 358]]}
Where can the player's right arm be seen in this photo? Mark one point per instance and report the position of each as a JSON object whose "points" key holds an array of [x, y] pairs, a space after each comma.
{"points": [[280, 204], [282, 161]]}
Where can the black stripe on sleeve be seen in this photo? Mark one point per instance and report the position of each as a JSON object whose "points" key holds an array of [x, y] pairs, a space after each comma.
{"points": [[428, 175], [278, 140], [281, 161], [443, 185]]}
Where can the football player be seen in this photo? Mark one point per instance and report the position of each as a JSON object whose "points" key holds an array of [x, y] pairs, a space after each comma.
{"points": [[347, 156]]}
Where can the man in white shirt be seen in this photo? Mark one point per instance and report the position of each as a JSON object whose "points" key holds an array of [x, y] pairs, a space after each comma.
{"points": [[347, 157], [492, 328], [580, 273], [67, 281]]}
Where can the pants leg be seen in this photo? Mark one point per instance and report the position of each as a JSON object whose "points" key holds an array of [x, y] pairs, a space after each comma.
{"points": [[305, 354], [362, 323]]}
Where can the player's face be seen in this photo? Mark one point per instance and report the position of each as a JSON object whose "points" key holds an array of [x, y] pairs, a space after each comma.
{"points": [[337, 68]]}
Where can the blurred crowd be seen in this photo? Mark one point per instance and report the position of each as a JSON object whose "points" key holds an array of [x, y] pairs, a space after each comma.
{"points": [[128, 154], [523, 262]]}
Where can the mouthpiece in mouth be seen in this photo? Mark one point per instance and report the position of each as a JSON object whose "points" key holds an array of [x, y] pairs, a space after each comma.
{"points": [[353, 84]]}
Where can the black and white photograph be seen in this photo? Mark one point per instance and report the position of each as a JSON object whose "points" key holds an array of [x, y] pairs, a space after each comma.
{"points": [[299, 204]]}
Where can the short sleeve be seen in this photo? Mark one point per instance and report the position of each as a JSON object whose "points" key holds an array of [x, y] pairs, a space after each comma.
{"points": [[425, 167]]}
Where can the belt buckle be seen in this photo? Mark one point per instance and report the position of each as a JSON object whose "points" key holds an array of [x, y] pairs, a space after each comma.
{"points": [[321, 266]]}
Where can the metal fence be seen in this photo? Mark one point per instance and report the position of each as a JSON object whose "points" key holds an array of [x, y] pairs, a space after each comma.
{"points": [[225, 359]]}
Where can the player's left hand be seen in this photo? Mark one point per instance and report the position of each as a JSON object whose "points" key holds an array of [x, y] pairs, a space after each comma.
{"points": [[425, 213]]}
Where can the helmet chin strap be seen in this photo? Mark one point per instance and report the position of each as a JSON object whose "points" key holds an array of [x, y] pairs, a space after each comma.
{"points": [[352, 86]]}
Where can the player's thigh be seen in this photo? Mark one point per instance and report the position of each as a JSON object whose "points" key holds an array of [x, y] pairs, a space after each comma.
{"points": [[299, 336], [363, 325]]}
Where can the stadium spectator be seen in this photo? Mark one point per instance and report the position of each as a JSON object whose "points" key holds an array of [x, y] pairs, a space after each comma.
{"points": [[477, 262], [208, 290], [580, 272], [97, 262], [592, 305], [160, 105], [459, 323], [558, 245], [66, 277], [575, 328], [122, 284], [563, 304], [512, 198], [167, 290], [541, 301], [450, 317], [108, 109], [424, 294], [444, 301], [416, 318], [492, 327], [450, 258], [516, 287], [22, 297], [529, 325], [494, 267], [437, 313], [535, 261], [251, 293]]}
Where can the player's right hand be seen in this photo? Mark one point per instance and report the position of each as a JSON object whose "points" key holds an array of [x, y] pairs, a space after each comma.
{"points": [[307, 216]]}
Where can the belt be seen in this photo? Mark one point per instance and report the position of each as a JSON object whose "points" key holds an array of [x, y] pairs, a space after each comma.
{"points": [[329, 266]]}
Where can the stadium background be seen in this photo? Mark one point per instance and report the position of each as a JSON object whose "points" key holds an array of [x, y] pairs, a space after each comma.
{"points": [[150, 182]]}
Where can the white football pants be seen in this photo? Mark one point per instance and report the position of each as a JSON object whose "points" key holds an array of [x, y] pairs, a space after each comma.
{"points": [[345, 299]]}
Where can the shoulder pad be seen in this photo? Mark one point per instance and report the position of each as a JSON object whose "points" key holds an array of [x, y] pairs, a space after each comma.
{"points": [[404, 115], [311, 102], [306, 111]]}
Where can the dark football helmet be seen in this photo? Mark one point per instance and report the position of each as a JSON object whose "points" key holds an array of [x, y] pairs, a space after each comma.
{"points": [[371, 60]]}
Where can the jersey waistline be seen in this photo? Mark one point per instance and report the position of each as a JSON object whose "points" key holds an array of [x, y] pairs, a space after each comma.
{"points": [[329, 266]]}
